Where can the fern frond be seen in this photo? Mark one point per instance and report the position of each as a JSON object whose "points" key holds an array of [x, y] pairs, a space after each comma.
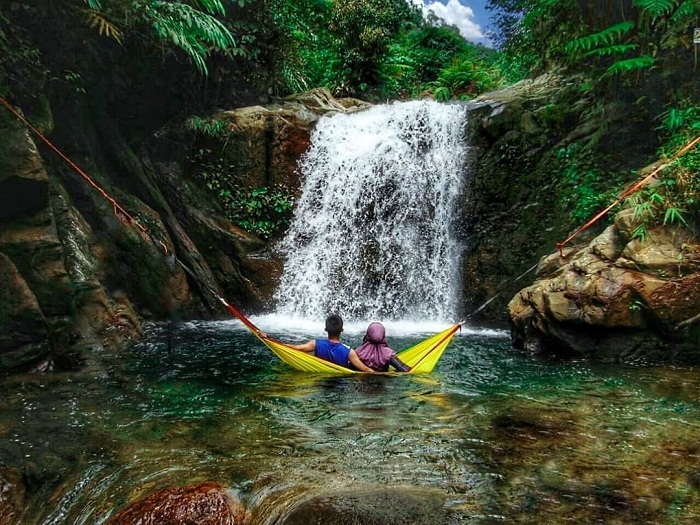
{"points": [[606, 37], [632, 64], [104, 26], [656, 8], [619, 49], [687, 8]]}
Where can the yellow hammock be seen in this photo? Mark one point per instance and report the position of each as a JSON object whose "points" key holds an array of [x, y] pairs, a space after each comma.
{"points": [[421, 357]]}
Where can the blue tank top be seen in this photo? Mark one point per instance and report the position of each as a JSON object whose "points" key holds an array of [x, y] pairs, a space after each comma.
{"points": [[336, 353]]}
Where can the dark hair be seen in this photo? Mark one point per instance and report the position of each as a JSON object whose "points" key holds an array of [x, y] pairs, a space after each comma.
{"points": [[334, 325]]}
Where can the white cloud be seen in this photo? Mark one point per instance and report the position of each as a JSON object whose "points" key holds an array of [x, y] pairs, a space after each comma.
{"points": [[456, 14]]}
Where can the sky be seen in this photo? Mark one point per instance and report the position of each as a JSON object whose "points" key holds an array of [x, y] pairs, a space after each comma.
{"points": [[470, 16]]}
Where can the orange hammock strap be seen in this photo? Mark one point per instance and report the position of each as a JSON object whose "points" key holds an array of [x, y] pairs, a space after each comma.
{"points": [[629, 191], [120, 212]]}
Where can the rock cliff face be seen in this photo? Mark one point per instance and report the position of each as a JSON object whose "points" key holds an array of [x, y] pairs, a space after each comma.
{"points": [[77, 275], [615, 299], [509, 219]]}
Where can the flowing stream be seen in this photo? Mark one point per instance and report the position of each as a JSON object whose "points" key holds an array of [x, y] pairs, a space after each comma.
{"points": [[489, 437]]}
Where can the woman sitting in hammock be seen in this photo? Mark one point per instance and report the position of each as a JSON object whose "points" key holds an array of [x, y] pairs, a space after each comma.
{"points": [[375, 353]]}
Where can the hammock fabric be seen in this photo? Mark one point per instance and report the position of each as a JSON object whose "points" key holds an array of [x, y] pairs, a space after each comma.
{"points": [[421, 357]]}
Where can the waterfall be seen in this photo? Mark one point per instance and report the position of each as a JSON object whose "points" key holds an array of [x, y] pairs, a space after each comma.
{"points": [[372, 236]]}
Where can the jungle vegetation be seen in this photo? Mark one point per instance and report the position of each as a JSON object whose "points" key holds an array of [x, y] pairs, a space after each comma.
{"points": [[145, 63]]}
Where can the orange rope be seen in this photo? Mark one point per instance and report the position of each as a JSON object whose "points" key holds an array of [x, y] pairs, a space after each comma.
{"points": [[119, 212], [626, 193]]}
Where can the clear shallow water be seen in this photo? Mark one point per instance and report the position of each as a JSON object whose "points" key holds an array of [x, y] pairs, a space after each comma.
{"points": [[503, 438]]}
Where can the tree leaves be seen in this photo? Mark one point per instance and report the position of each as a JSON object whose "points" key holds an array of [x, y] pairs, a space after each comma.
{"points": [[193, 31]]}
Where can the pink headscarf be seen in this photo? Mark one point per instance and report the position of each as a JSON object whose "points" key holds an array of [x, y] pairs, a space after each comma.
{"points": [[375, 351]]}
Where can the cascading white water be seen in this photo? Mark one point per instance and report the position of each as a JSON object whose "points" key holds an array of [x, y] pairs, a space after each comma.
{"points": [[372, 235]]}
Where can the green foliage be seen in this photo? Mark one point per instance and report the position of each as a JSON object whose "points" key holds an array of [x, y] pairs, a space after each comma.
{"points": [[380, 50], [469, 76], [441, 94], [674, 199], [674, 215], [584, 188], [266, 212], [194, 31], [656, 8], [362, 31], [616, 49], [629, 65], [602, 39], [209, 127], [20, 61], [603, 42], [630, 57], [198, 28]]}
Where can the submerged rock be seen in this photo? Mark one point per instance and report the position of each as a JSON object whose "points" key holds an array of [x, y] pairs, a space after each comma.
{"points": [[201, 504], [370, 506]]}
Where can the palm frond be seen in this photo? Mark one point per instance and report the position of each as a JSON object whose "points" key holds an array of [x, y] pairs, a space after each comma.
{"points": [[104, 26], [195, 32]]}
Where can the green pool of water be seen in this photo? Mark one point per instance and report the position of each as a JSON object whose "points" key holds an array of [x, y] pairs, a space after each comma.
{"points": [[503, 437]]}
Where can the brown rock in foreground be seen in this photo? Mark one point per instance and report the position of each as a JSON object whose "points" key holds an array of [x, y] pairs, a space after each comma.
{"points": [[201, 504]]}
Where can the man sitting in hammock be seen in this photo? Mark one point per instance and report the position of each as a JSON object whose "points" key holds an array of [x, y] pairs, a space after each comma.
{"points": [[332, 349]]}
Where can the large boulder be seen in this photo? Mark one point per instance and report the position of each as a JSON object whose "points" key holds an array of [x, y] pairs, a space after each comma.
{"points": [[508, 219], [618, 298]]}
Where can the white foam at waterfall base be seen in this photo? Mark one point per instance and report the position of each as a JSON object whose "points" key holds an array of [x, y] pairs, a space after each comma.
{"points": [[372, 236]]}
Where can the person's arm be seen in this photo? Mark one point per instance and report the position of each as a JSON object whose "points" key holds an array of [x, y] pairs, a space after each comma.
{"points": [[307, 347], [399, 365], [357, 363]]}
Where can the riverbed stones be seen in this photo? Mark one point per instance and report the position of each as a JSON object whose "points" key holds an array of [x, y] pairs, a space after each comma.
{"points": [[201, 504]]}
